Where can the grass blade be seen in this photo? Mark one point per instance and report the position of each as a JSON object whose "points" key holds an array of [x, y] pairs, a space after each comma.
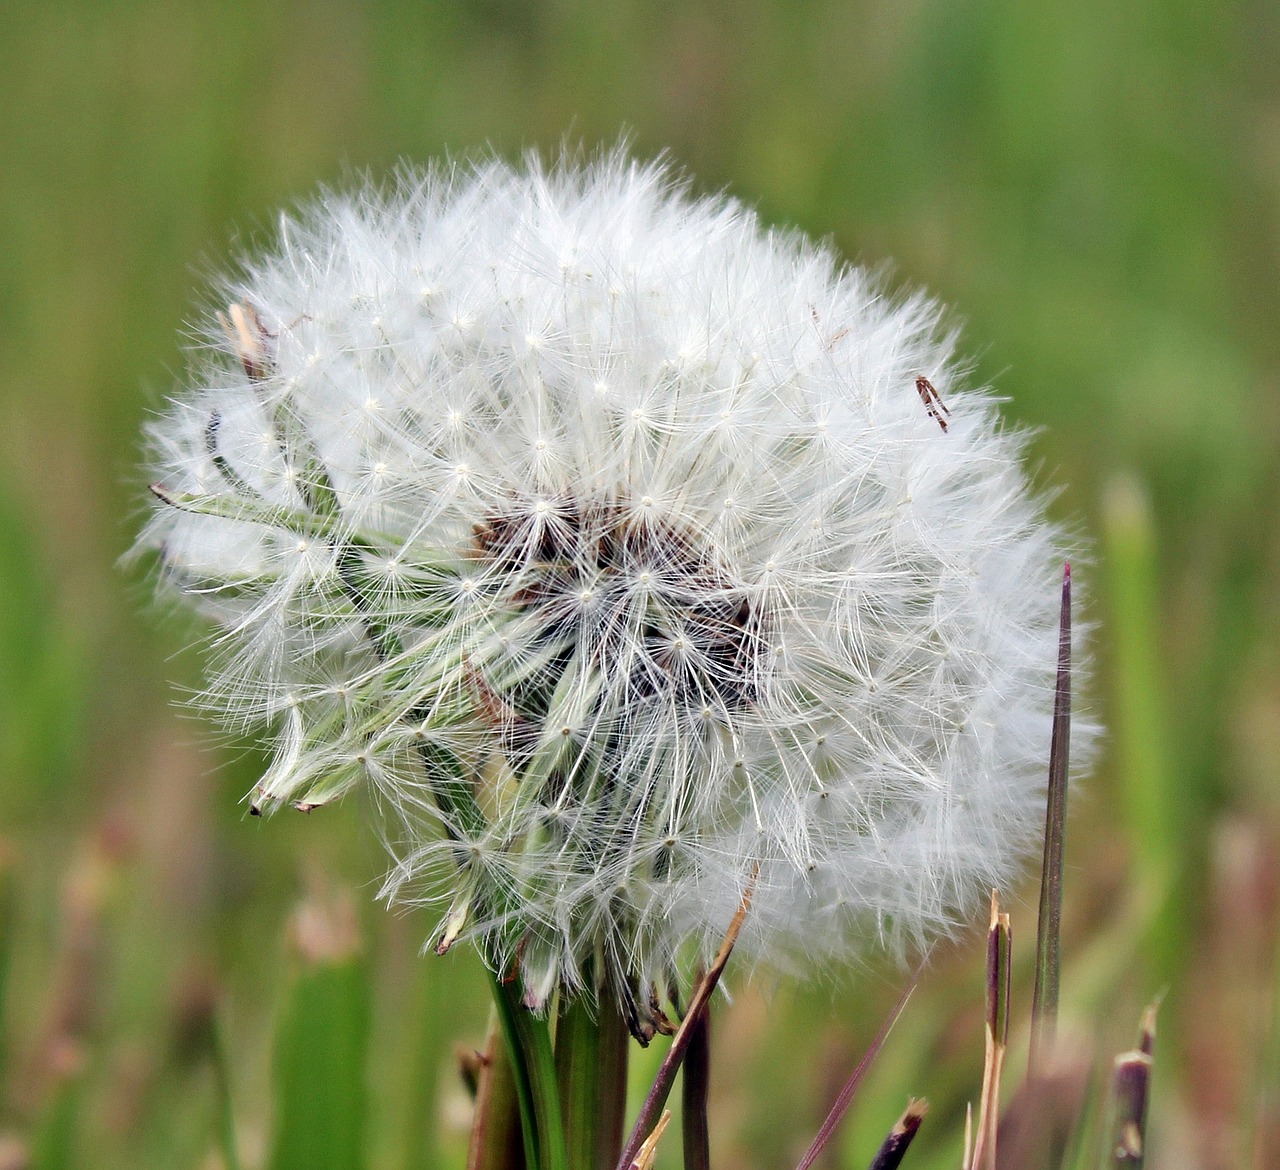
{"points": [[1266, 1111], [851, 1086], [55, 1143], [63, 1066], [1044, 1003], [322, 1046], [648, 1150], [223, 1104], [496, 1141], [1045, 1118], [8, 923], [695, 1084], [1155, 802]]}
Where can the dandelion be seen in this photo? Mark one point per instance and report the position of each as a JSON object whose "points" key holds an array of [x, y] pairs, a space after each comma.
{"points": [[630, 553]]}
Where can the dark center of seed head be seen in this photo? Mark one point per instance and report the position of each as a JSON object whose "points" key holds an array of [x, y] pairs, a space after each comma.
{"points": [[642, 595]]}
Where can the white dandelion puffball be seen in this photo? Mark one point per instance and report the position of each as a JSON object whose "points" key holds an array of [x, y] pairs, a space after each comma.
{"points": [[631, 553]]}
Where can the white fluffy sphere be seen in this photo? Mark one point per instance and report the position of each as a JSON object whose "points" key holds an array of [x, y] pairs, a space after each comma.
{"points": [[626, 549]]}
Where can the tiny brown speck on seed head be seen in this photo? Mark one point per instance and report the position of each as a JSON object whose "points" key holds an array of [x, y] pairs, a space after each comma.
{"points": [[248, 338], [932, 402]]}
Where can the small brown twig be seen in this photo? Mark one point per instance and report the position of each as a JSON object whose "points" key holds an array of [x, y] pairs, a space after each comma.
{"points": [[999, 953], [661, 1089]]}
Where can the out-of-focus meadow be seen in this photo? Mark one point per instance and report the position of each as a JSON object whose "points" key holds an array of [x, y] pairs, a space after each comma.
{"points": [[1094, 187]]}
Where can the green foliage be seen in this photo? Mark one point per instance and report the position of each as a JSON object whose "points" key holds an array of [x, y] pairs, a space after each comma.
{"points": [[320, 1085], [1157, 809], [54, 1143], [41, 683], [8, 913]]}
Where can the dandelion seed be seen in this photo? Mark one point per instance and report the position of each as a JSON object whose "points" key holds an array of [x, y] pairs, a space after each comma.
{"points": [[626, 582]]}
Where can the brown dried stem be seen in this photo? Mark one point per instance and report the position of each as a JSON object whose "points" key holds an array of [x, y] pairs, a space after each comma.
{"points": [[661, 1089]]}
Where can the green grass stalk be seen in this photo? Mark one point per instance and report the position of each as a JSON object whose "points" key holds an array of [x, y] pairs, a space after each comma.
{"points": [[528, 1043], [1143, 737], [224, 1106], [1044, 1003], [322, 1044]]}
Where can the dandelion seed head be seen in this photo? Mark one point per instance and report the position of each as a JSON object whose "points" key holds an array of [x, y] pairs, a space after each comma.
{"points": [[605, 536]]}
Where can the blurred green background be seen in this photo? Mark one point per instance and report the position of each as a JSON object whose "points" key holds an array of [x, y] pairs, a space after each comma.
{"points": [[1094, 187]]}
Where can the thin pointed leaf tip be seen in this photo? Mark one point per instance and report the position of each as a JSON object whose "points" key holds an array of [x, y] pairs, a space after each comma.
{"points": [[1044, 1003], [624, 548]]}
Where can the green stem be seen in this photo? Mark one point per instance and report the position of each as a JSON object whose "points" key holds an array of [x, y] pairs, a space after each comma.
{"points": [[225, 1110], [496, 1131], [1044, 1003], [1152, 793], [528, 1043], [591, 1067]]}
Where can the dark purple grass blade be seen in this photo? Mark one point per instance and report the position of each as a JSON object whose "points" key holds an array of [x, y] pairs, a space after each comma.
{"points": [[1130, 1085], [1130, 1091], [851, 1086], [1044, 1002], [651, 1110], [695, 1080], [894, 1147]]}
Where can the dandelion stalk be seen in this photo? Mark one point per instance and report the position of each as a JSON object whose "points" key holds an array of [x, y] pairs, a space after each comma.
{"points": [[591, 1066], [528, 1045]]}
